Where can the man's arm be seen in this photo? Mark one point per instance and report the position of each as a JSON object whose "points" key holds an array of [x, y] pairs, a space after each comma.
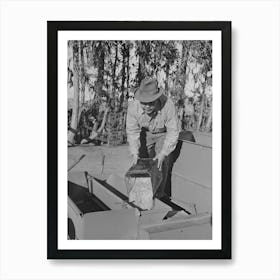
{"points": [[172, 128]]}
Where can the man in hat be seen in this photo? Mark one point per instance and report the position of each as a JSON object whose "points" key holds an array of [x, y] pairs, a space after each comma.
{"points": [[152, 129]]}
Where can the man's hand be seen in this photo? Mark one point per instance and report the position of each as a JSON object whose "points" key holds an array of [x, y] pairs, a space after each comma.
{"points": [[160, 157], [134, 159]]}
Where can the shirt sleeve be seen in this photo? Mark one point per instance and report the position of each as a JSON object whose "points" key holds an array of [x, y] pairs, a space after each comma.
{"points": [[172, 129], [133, 129]]}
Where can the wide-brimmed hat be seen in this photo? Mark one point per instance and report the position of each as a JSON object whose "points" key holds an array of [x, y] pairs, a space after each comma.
{"points": [[148, 91]]}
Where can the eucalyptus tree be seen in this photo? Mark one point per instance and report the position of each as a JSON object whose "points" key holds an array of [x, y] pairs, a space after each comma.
{"points": [[125, 45], [115, 64], [76, 74], [143, 51], [169, 54], [97, 51], [202, 53]]}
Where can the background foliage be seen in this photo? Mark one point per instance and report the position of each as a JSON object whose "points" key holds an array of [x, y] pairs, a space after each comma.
{"points": [[113, 69]]}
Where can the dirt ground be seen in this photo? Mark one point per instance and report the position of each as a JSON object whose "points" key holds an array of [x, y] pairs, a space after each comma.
{"points": [[116, 161]]}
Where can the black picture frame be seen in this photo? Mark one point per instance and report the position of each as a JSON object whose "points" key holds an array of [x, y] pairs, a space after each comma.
{"points": [[52, 102]]}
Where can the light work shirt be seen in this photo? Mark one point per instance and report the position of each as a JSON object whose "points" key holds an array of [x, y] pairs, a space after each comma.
{"points": [[165, 120]]}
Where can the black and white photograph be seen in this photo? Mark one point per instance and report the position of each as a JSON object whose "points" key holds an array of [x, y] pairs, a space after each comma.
{"points": [[139, 139], [140, 136]]}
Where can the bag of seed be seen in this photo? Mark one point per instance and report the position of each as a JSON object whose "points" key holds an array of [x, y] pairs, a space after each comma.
{"points": [[141, 193], [142, 181]]}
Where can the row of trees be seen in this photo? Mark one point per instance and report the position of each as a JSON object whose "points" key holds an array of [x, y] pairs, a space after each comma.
{"points": [[112, 69]]}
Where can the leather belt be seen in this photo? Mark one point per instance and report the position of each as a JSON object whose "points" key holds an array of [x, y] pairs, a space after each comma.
{"points": [[156, 131]]}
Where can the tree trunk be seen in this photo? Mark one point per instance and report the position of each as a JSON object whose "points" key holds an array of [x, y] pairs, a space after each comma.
{"points": [[199, 121], [208, 126], [166, 79], [103, 121], [141, 63], [100, 75], [124, 53], [140, 69], [115, 67], [127, 72], [82, 71], [184, 61], [75, 111]]}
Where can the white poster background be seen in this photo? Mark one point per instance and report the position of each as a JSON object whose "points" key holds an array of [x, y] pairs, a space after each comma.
{"points": [[255, 151], [63, 38]]}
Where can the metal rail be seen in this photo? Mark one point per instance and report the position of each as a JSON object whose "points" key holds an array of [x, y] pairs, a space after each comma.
{"points": [[115, 192]]}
